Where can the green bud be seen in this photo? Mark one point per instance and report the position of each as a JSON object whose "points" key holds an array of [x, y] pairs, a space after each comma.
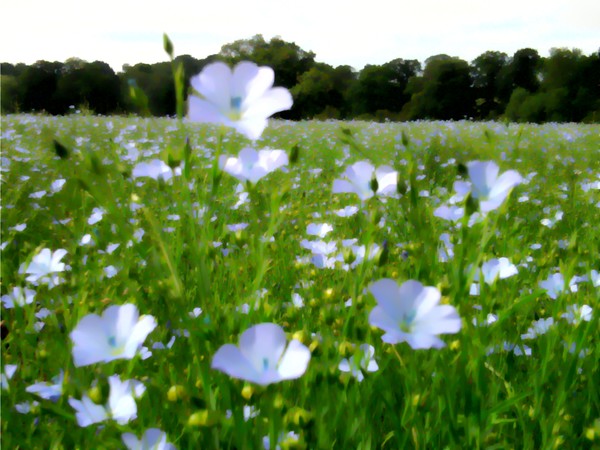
{"points": [[173, 161], [61, 151], [374, 184], [294, 154], [471, 205], [401, 186], [384, 254], [405, 140], [168, 45], [349, 256]]}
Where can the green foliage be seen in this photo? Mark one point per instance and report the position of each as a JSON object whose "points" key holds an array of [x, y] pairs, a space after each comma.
{"points": [[472, 394], [563, 87]]}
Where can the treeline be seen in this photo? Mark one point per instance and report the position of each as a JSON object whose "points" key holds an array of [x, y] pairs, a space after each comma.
{"points": [[564, 87]]}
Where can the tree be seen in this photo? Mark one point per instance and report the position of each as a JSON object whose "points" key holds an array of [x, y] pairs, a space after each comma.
{"points": [[37, 86], [445, 91], [485, 72], [382, 88], [321, 91], [92, 84], [287, 59]]}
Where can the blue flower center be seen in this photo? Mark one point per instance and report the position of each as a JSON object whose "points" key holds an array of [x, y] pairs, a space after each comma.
{"points": [[236, 103], [407, 321], [112, 341], [265, 364]]}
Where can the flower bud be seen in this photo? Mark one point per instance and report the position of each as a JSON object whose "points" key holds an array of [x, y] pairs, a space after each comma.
{"points": [[374, 184], [204, 418], [176, 392], [346, 349], [294, 154], [95, 395], [248, 392], [168, 45]]}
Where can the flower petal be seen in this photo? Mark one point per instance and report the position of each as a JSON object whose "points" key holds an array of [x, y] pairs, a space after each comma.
{"points": [[294, 361]]}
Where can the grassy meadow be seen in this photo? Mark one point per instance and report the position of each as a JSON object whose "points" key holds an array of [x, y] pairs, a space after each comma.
{"points": [[511, 378]]}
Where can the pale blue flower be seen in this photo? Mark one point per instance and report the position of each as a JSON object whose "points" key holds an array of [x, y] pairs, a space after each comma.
{"points": [[242, 98], [48, 391], [263, 356], [362, 361], [118, 334], [251, 165], [152, 439], [411, 313]]}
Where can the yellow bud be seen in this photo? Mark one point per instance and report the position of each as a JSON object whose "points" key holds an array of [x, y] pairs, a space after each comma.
{"points": [[559, 441], [135, 198], [301, 336], [590, 434], [247, 392], [415, 400], [313, 346], [455, 345], [278, 401], [176, 392], [345, 349], [95, 394], [204, 418], [328, 293]]}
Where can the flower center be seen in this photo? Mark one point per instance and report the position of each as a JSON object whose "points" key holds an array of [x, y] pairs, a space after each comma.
{"points": [[407, 322], [265, 362], [235, 105], [116, 350]]}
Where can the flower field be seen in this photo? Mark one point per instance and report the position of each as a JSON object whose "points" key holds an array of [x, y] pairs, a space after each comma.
{"points": [[344, 285]]}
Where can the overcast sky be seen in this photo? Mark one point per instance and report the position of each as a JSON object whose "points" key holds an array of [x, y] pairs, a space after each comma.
{"points": [[353, 32]]}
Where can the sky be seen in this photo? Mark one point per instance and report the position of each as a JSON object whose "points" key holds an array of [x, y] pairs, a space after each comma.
{"points": [[352, 32]]}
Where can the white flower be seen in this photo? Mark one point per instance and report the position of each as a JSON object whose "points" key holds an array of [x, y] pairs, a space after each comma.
{"points": [[319, 229], [348, 211], [364, 359], [121, 405], [7, 373], [555, 285], [251, 165], [495, 269], [538, 327], [243, 98], [153, 439], [595, 278], [97, 215], [490, 189], [18, 297], [576, 314], [452, 213], [411, 313], [155, 169], [48, 391], [365, 181], [118, 334], [262, 356], [44, 266]]}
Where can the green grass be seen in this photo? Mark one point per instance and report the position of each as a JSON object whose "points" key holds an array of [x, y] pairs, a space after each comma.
{"points": [[462, 396]]}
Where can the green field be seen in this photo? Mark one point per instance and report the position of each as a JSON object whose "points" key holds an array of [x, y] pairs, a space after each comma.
{"points": [[506, 380]]}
